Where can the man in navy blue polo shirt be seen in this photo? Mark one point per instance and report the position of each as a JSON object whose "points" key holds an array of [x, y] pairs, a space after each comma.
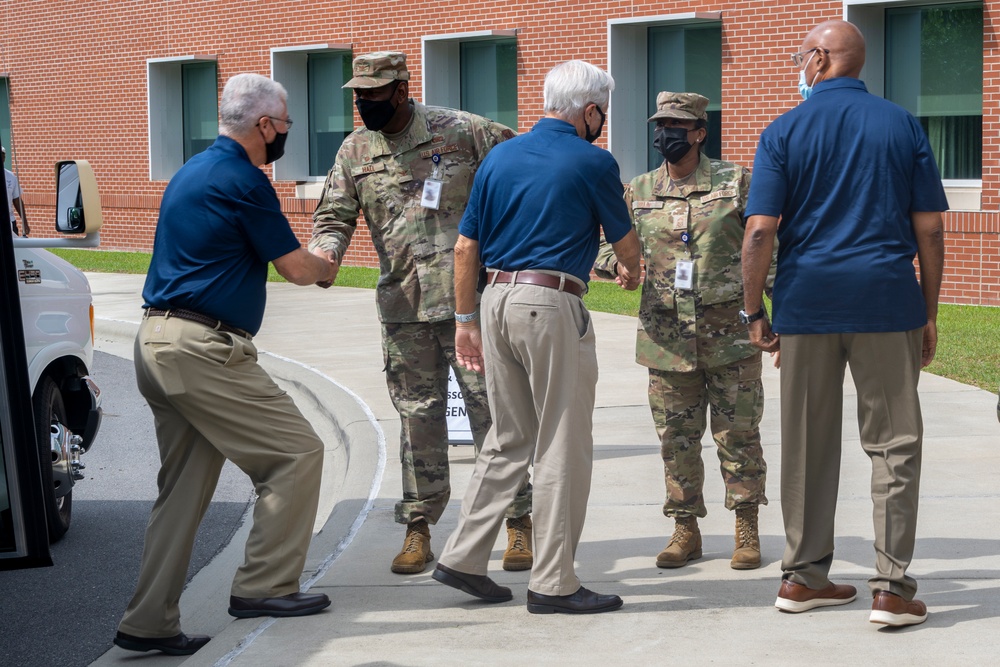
{"points": [[853, 181], [534, 219], [220, 225]]}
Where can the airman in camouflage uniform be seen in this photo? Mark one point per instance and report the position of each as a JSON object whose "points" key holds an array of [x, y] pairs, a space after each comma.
{"points": [[689, 217], [410, 171]]}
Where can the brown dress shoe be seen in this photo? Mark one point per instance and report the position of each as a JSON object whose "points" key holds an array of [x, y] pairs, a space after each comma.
{"points": [[795, 598], [416, 551], [891, 609], [684, 545], [518, 553]]}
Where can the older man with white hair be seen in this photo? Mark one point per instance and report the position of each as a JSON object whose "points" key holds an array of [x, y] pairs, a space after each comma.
{"points": [[196, 365], [534, 219]]}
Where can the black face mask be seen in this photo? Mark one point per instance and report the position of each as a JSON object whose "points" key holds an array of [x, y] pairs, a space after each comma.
{"points": [[592, 137], [275, 149], [376, 114], [671, 142]]}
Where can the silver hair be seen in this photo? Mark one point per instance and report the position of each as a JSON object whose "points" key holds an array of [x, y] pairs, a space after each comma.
{"points": [[572, 85], [247, 97]]}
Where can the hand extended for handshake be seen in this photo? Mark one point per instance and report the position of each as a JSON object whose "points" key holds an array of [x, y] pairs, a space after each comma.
{"points": [[331, 257]]}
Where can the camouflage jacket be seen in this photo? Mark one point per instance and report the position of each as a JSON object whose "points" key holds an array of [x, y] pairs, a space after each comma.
{"points": [[683, 329], [383, 176]]}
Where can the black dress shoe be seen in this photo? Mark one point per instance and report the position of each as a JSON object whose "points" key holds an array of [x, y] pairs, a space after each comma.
{"points": [[478, 585], [294, 604], [181, 644], [582, 602]]}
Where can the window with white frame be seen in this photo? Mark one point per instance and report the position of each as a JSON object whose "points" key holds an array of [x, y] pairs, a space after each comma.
{"points": [[934, 68], [685, 58], [314, 76], [678, 53], [928, 58], [475, 72], [183, 111]]}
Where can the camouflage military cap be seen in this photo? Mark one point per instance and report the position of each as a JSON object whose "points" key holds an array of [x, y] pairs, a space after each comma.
{"points": [[374, 70], [689, 106]]}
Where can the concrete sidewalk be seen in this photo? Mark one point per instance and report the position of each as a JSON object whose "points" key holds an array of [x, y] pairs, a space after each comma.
{"points": [[324, 347]]}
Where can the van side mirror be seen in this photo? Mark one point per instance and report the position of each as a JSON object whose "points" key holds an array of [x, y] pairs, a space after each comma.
{"points": [[78, 203]]}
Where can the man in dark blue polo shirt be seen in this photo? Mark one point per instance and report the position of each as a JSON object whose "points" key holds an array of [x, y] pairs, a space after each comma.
{"points": [[534, 218], [196, 365], [854, 183]]}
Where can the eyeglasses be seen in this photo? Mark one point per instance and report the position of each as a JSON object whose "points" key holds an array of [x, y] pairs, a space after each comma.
{"points": [[799, 57], [286, 121]]}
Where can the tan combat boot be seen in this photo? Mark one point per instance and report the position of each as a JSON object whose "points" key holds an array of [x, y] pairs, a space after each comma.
{"points": [[518, 554], [685, 544], [416, 551], [746, 555]]}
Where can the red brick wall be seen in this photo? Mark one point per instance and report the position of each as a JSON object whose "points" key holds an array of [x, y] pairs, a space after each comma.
{"points": [[78, 87]]}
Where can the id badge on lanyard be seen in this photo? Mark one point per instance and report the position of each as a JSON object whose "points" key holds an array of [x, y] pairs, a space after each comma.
{"points": [[684, 275], [431, 196]]}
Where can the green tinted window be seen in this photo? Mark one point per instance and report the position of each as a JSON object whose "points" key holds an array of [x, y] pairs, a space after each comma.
{"points": [[686, 59], [199, 91], [5, 118], [934, 69], [489, 79], [331, 108]]}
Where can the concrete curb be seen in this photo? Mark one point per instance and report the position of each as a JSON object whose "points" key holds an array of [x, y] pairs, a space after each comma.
{"points": [[352, 473]]}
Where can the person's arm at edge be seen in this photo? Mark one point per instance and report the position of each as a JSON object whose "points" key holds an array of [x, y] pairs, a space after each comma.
{"points": [[468, 338], [19, 205], [758, 249], [928, 227]]}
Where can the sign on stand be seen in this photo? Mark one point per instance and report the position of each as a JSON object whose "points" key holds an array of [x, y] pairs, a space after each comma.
{"points": [[459, 431]]}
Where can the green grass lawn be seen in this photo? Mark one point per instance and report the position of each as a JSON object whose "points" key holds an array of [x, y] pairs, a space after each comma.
{"points": [[112, 261], [968, 336]]}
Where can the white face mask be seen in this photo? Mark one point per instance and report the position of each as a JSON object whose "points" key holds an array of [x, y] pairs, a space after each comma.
{"points": [[806, 89]]}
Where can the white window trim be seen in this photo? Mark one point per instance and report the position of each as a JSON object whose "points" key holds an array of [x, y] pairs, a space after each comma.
{"points": [[869, 16], [441, 58], [627, 45], [289, 68], [165, 113]]}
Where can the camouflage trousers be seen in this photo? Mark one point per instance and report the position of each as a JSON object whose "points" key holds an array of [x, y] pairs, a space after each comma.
{"points": [[417, 358], [678, 401]]}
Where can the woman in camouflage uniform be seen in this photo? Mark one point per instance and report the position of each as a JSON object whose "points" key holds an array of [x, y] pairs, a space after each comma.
{"points": [[689, 217]]}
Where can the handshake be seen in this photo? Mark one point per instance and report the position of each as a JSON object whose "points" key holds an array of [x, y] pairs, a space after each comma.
{"points": [[627, 278], [334, 266]]}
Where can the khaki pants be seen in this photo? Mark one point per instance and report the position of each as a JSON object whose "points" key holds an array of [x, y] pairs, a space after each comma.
{"points": [[885, 368], [417, 358], [541, 374], [211, 401]]}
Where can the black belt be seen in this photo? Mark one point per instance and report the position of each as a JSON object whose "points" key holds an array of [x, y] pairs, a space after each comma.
{"points": [[192, 316], [532, 278]]}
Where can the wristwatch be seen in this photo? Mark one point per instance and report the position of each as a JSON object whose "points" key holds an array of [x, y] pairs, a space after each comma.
{"points": [[747, 319]]}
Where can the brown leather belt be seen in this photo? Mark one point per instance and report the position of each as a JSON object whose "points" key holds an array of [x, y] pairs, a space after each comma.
{"points": [[192, 316], [533, 278]]}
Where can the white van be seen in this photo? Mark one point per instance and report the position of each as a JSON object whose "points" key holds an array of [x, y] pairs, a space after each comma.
{"points": [[58, 319]]}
